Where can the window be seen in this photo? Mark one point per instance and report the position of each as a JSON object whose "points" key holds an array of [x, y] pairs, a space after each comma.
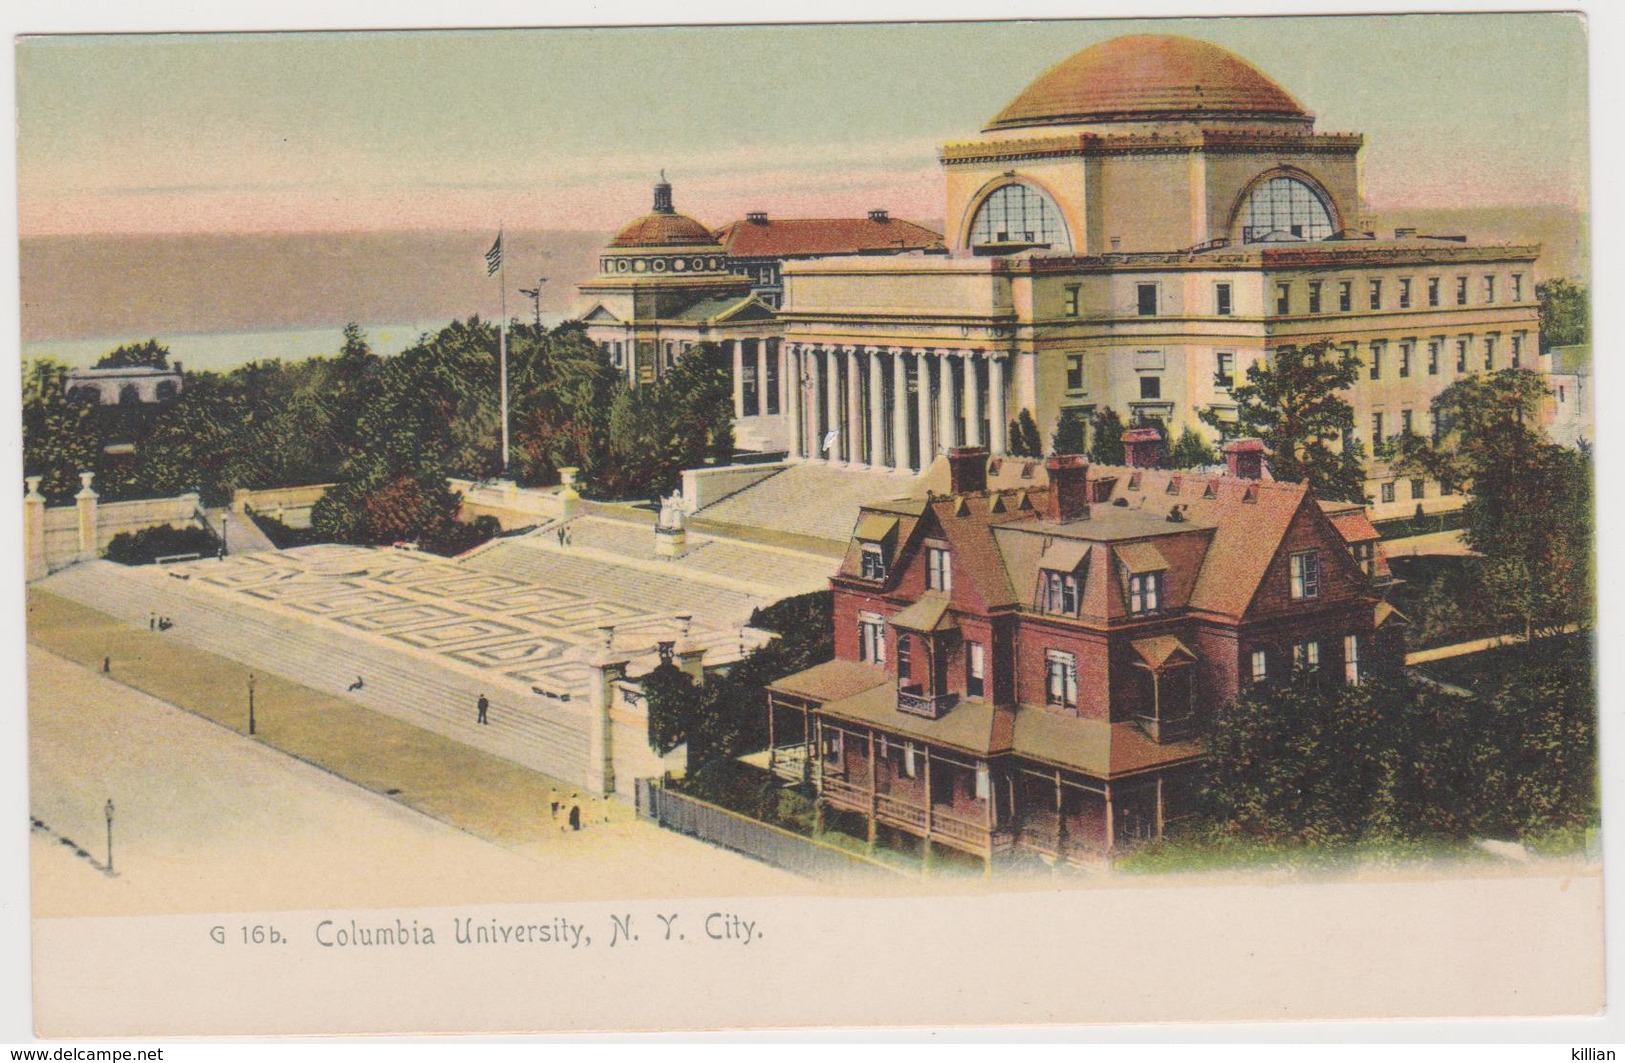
{"points": [[772, 374], [1071, 300], [671, 360], [1489, 287], [1377, 348], [1417, 488], [1150, 387], [1225, 376], [874, 561], [1345, 296], [1376, 430], [1461, 291], [1283, 299], [747, 382], [1405, 349], [1260, 666], [1433, 291], [1306, 656], [1517, 349], [1517, 287], [1407, 419], [1019, 214], [1365, 555], [1305, 575], [975, 670], [1404, 293], [1387, 492], [1314, 297], [905, 655], [1061, 593], [1074, 372], [1221, 300], [1351, 660], [1462, 346], [938, 576], [911, 765], [1061, 679], [1145, 296], [871, 638], [1284, 206], [1376, 295], [1489, 352], [984, 782], [1144, 592], [1433, 356]]}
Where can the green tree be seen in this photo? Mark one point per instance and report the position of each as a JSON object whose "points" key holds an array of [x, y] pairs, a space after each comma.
{"points": [[1295, 406], [1192, 450], [1565, 313], [1106, 437], [147, 354], [59, 438], [1025, 442]]}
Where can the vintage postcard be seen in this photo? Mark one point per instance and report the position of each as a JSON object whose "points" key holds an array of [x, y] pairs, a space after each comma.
{"points": [[703, 527]]}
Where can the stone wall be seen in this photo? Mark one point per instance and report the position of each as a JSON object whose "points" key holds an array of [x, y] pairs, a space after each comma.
{"points": [[290, 505], [518, 507], [57, 536], [708, 486]]}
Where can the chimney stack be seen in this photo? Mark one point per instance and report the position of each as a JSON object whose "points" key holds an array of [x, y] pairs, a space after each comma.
{"points": [[1244, 458], [1068, 498], [1143, 447], [967, 470]]}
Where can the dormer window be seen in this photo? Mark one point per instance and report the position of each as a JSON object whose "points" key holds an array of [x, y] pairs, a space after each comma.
{"points": [[1061, 593], [1144, 593], [1365, 555], [1306, 575], [874, 532], [938, 576], [874, 561]]}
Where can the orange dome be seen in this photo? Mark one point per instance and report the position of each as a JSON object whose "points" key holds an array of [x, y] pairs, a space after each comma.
{"points": [[1145, 78], [664, 230]]}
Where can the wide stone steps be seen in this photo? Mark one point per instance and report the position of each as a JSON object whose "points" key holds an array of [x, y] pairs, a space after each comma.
{"points": [[543, 734]]}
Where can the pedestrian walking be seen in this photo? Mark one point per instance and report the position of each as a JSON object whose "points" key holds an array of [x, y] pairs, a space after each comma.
{"points": [[575, 813], [561, 534], [484, 705], [152, 622], [553, 800]]}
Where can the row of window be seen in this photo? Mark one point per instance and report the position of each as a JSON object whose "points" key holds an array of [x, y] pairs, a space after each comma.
{"points": [[1405, 362], [1405, 287], [660, 265], [1306, 657]]}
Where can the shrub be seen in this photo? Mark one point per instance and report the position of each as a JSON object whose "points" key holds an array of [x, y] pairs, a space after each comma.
{"points": [[147, 545]]}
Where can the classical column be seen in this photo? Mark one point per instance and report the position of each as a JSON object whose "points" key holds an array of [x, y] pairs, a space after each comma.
{"points": [[85, 501], [739, 377], [854, 407], [795, 393], [758, 362], [832, 403], [922, 406], [34, 531], [998, 419], [899, 410], [877, 410], [973, 399], [945, 402]]}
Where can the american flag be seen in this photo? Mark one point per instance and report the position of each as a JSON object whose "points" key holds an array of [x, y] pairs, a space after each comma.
{"points": [[493, 257]]}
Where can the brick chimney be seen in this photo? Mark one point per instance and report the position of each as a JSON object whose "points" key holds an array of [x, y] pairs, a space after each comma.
{"points": [[967, 470], [1142, 448], [1068, 497], [1244, 458]]}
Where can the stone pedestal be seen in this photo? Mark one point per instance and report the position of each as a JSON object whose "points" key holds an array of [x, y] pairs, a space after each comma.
{"points": [[86, 500], [569, 497], [34, 531], [670, 542]]}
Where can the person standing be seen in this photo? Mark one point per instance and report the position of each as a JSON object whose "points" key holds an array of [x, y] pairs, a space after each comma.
{"points": [[484, 705], [575, 813]]}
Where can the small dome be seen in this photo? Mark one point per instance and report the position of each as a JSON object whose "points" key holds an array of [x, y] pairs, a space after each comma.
{"points": [[1148, 77], [664, 230]]}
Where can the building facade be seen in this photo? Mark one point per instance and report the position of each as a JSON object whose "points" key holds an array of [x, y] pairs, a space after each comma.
{"points": [[1145, 221], [1026, 657]]}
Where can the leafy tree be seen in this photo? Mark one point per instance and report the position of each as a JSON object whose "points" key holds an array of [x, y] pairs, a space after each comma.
{"points": [[1106, 433], [676, 706], [1565, 313], [1070, 434], [59, 438], [1295, 406], [1192, 451], [1024, 441], [148, 354]]}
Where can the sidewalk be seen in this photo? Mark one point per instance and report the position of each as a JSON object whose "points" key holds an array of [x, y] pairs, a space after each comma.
{"points": [[1461, 649]]}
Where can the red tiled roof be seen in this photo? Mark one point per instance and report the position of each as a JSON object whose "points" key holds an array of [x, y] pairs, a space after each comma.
{"points": [[663, 230], [794, 237]]}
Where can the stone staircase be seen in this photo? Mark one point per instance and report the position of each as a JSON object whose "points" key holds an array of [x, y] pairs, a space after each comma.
{"points": [[811, 499]]}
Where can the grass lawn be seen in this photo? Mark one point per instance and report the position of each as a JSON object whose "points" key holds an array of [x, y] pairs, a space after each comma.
{"points": [[485, 795]]}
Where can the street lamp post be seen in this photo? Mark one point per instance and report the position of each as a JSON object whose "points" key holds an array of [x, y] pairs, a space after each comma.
{"points": [[225, 527], [535, 296], [109, 811], [250, 702]]}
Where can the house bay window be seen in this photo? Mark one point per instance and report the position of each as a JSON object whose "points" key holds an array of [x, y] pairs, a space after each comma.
{"points": [[938, 575], [975, 670], [1061, 679], [872, 638], [1306, 575]]}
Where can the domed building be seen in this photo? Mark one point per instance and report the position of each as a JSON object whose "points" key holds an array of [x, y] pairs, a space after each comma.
{"points": [[1144, 221]]}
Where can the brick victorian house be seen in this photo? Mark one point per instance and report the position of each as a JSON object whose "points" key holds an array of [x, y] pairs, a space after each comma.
{"points": [[1027, 657]]}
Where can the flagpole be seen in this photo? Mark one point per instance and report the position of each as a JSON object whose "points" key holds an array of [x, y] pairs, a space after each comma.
{"points": [[502, 346]]}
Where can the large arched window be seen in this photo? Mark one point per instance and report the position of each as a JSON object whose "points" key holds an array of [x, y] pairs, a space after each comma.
{"points": [[1284, 208], [1019, 214]]}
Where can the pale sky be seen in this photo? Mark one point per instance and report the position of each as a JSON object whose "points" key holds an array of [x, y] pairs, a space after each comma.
{"points": [[568, 128]]}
